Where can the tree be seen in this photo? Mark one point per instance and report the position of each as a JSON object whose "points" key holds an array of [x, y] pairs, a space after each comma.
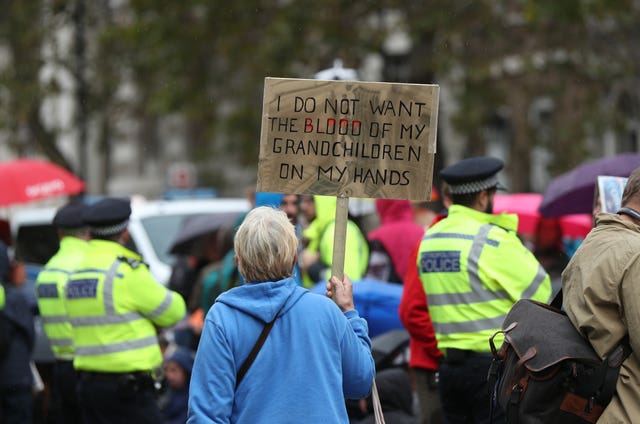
{"points": [[206, 60], [506, 55], [19, 83]]}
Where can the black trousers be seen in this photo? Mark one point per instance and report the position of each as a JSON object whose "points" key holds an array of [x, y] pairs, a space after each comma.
{"points": [[64, 400], [117, 398], [464, 391], [16, 405]]}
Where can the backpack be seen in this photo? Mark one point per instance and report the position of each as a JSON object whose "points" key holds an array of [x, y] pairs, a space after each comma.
{"points": [[546, 372]]}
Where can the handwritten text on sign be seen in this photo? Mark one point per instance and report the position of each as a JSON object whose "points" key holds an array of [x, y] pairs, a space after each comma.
{"points": [[348, 138]]}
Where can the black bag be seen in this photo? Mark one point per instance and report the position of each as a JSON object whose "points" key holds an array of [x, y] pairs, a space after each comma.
{"points": [[547, 372]]}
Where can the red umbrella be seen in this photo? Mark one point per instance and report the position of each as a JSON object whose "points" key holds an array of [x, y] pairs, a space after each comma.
{"points": [[525, 205], [576, 226], [26, 180]]}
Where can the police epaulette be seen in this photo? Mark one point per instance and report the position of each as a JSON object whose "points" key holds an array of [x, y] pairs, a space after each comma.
{"points": [[133, 263]]}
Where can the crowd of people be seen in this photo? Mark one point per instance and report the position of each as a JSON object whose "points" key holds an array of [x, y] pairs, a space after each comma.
{"points": [[461, 268]]}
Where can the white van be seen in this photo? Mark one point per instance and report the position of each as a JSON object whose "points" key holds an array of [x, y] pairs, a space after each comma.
{"points": [[152, 226]]}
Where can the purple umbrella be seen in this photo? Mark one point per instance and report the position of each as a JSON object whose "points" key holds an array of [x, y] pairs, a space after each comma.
{"points": [[572, 192]]}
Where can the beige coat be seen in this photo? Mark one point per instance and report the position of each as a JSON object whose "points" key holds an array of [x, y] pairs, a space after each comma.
{"points": [[601, 288]]}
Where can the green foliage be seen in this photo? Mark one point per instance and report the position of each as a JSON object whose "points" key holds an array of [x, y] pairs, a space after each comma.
{"points": [[207, 59]]}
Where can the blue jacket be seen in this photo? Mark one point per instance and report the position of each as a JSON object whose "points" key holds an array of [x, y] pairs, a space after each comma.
{"points": [[314, 357]]}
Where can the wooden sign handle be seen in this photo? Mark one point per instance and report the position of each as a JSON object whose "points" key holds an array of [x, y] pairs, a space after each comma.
{"points": [[340, 236]]}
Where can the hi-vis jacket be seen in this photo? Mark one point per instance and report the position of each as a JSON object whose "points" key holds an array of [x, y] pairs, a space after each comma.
{"points": [[1, 297], [320, 234], [114, 304], [474, 268], [50, 287]]}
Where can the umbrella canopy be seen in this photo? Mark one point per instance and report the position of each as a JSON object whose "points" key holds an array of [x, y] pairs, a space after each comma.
{"points": [[27, 180], [572, 192], [576, 226], [525, 205], [197, 226]]}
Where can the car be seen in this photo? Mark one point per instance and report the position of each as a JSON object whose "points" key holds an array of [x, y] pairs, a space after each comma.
{"points": [[152, 228]]}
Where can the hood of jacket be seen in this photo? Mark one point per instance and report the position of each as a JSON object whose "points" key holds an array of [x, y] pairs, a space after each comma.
{"points": [[394, 210], [264, 300]]}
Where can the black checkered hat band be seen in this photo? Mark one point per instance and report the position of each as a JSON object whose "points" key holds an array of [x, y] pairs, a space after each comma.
{"points": [[474, 186], [110, 230]]}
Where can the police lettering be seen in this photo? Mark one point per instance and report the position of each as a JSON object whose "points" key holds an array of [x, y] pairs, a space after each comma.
{"points": [[47, 290], [442, 261], [82, 289]]}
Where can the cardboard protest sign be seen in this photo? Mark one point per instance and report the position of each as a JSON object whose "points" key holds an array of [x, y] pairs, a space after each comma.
{"points": [[348, 138]]}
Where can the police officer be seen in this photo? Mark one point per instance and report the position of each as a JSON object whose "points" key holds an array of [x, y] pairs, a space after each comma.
{"points": [[50, 288], [114, 305], [473, 269]]}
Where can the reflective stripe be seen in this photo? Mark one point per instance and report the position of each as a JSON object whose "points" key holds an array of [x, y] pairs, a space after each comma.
{"points": [[105, 319], [490, 242], [478, 293], [94, 271], [474, 258], [117, 347], [64, 271], [466, 298], [61, 342], [535, 284], [166, 302], [65, 356], [55, 319], [107, 287], [447, 328]]}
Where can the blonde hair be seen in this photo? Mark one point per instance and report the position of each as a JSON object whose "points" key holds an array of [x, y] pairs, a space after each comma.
{"points": [[265, 245]]}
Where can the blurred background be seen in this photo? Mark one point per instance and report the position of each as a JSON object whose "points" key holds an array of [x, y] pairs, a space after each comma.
{"points": [[138, 96]]}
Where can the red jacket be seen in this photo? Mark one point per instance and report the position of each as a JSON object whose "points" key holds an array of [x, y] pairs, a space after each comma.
{"points": [[397, 232], [414, 315]]}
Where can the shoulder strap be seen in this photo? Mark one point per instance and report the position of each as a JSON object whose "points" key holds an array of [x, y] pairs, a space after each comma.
{"points": [[556, 302], [256, 349]]}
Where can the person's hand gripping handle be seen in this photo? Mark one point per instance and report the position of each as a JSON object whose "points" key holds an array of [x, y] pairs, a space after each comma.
{"points": [[341, 291]]}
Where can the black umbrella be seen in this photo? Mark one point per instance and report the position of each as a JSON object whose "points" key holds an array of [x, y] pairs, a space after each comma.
{"points": [[197, 226]]}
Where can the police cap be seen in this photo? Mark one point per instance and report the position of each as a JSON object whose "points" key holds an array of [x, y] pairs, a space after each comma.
{"points": [[108, 216], [472, 175], [71, 215]]}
